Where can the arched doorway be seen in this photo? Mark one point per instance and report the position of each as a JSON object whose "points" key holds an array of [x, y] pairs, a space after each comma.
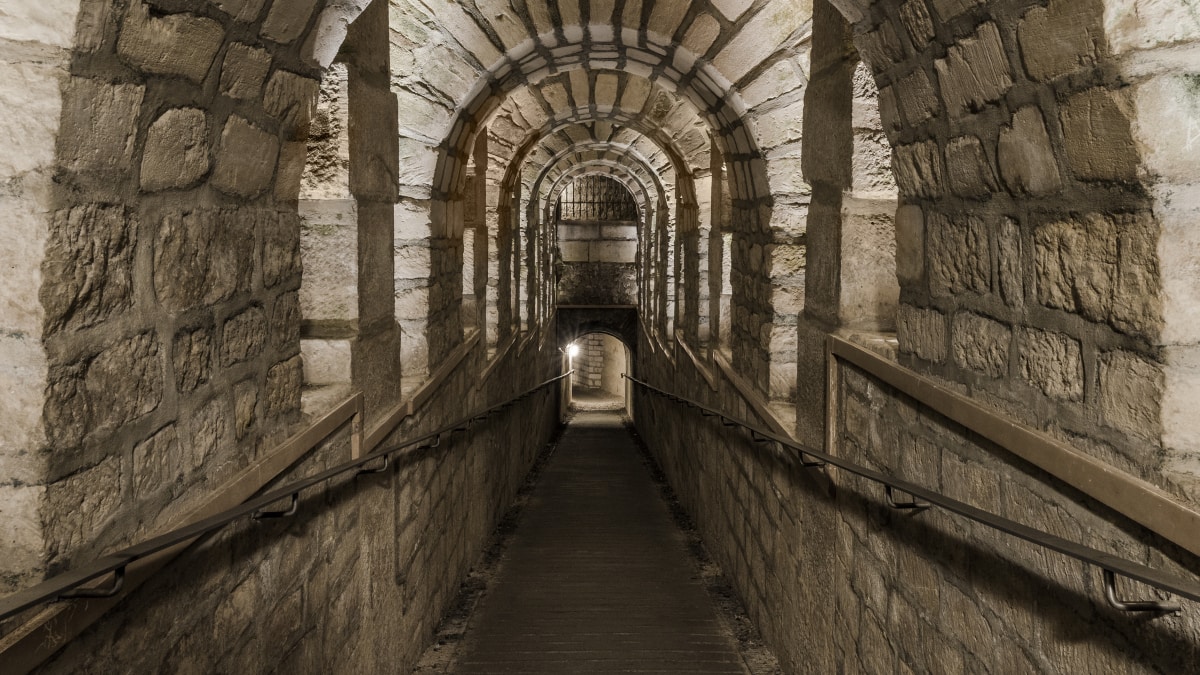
{"points": [[600, 362]]}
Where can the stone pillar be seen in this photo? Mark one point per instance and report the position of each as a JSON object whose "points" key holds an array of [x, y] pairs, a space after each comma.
{"points": [[374, 167], [35, 53]]}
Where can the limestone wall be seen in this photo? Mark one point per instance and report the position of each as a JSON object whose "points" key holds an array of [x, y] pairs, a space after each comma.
{"points": [[359, 579]]}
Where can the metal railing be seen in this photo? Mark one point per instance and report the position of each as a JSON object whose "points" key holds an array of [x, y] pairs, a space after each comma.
{"points": [[920, 498], [69, 585]]}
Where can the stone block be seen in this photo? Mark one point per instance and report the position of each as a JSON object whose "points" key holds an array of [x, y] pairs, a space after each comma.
{"points": [[191, 354], [201, 257], [23, 562], [1097, 136], [1052, 362], [31, 106], [245, 406], [975, 72], [88, 266], [948, 9], [918, 170], [207, 432], [246, 159], [957, 255], [99, 122], [1061, 38], [156, 463], [243, 336], [921, 332], [181, 45], [1131, 389], [285, 322], [918, 100], [1025, 155], [968, 170], [880, 48], [1011, 275], [281, 247], [981, 344], [910, 245], [613, 251], [244, 71], [287, 20], [243, 10], [283, 387], [176, 154], [1101, 267], [326, 361], [87, 501], [915, 16], [292, 99], [124, 382]]}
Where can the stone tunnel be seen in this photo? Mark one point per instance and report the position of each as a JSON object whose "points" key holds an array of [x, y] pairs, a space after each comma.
{"points": [[898, 298]]}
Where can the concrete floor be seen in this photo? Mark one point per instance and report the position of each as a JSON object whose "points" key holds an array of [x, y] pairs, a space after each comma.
{"points": [[596, 577]]}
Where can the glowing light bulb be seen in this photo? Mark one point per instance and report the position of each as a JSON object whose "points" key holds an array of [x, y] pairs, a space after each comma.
{"points": [[573, 350]]}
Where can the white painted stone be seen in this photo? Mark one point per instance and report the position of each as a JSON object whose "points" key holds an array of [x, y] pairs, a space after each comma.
{"points": [[1178, 208], [732, 9], [326, 362], [1143, 24], [30, 108], [50, 22], [1166, 127], [21, 545]]}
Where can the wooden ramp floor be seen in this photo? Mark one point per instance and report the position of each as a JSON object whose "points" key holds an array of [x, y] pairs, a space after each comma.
{"points": [[596, 577]]}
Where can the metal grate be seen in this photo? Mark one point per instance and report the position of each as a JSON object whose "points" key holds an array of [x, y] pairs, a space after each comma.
{"points": [[596, 198]]}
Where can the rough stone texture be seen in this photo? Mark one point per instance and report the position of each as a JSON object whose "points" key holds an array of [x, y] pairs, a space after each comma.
{"points": [[1051, 362], [981, 344], [1097, 136], [91, 252], [246, 157], [974, 73], [1026, 159], [244, 71], [957, 255], [175, 44], [1061, 38], [921, 332], [99, 122], [176, 154], [243, 336], [192, 358], [967, 168], [201, 257]]}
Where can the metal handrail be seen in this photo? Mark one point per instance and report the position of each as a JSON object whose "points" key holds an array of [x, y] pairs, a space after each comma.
{"points": [[65, 586], [922, 498]]}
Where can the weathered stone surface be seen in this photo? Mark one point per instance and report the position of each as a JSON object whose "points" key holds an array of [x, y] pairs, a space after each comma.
{"points": [[918, 169], [910, 245], [1062, 37], [242, 10], [201, 257], [974, 72], [948, 9], [968, 170], [86, 500], [207, 432], [283, 387], [176, 154], [285, 321], [292, 99], [918, 100], [246, 158], [124, 382], [1026, 158], [243, 336], [1051, 362], [244, 71], [1096, 132], [192, 358], [184, 45], [156, 463], [281, 248], [921, 332], [1101, 267], [99, 121], [957, 254], [1131, 393], [245, 404], [287, 20], [916, 19], [981, 344], [1011, 275], [88, 266]]}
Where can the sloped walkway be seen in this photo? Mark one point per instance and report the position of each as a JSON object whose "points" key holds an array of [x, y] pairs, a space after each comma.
{"points": [[596, 577]]}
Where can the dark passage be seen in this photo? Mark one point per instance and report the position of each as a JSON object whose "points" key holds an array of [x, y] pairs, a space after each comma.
{"points": [[596, 577]]}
